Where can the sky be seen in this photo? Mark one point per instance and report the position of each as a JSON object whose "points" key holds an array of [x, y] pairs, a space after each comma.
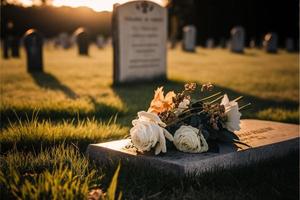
{"points": [[97, 5]]}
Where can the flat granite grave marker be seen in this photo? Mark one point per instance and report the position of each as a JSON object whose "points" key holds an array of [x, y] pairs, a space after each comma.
{"points": [[139, 41], [267, 140]]}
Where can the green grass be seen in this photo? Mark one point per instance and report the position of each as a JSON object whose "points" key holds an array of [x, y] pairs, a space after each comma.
{"points": [[48, 119]]}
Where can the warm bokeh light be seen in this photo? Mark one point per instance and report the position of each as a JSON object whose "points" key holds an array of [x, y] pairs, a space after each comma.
{"points": [[97, 5]]}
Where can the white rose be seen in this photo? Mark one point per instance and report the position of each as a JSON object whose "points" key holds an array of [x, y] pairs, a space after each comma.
{"points": [[188, 139], [182, 106], [147, 132], [232, 113]]}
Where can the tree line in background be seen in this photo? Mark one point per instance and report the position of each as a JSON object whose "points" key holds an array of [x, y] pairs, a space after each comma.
{"points": [[213, 18]]}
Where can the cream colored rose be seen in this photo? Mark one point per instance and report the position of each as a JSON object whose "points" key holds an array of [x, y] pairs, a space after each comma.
{"points": [[148, 132], [182, 106], [188, 139], [233, 114]]}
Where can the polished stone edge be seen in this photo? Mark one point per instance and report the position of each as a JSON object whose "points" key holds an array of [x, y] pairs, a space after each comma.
{"points": [[102, 155]]}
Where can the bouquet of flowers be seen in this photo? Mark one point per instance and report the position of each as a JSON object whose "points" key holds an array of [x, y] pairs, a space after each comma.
{"points": [[192, 126]]}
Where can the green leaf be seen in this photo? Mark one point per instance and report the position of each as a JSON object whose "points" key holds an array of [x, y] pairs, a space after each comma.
{"points": [[112, 189]]}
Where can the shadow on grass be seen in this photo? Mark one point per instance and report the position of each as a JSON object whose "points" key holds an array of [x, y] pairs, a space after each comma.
{"points": [[48, 81], [137, 96]]}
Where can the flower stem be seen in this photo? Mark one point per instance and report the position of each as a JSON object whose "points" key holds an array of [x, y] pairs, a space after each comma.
{"points": [[217, 99], [239, 98], [244, 106], [181, 119], [206, 98]]}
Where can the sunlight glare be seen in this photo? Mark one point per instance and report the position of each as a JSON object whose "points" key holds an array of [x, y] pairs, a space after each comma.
{"points": [[97, 5]]}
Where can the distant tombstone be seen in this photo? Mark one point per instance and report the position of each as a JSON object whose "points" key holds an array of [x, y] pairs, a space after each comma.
{"points": [[189, 38], [7, 39], [289, 45], [222, 43], [33, 42], [210, 43], [252, 43], [237, 39], [271, 42], [82, 39], [139, 41], [64, 40], [100, 42]]}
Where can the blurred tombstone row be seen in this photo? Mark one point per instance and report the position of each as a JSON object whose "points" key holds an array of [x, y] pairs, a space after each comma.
{"points": [[33, 42], [236, 43]]}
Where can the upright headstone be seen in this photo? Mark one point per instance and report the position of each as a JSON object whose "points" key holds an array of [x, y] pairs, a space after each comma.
{"points": [[189, 38], [252, 43], [289, 45], [82, 39], [210, 43], [100, 42], [64, 40], [139, 41], [7, 39], [271, 42], [237, 39], [33, 42], [222, 43]]}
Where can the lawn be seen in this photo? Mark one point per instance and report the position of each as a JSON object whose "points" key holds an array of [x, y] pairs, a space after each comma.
{"points": [[48, 119]]}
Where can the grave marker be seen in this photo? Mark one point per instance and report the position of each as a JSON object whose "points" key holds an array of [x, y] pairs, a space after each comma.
{"points": [[139, 41], [64, 40], [289, 45], [267, 140], [210, 43], [271, 42], [82, 39], [237, 39], [100, 42], [33, 42], [189, 38]]}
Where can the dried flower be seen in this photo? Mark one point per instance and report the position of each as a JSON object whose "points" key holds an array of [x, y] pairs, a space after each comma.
{"points": [[190, 87], [207, 87], [161, 103]]}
